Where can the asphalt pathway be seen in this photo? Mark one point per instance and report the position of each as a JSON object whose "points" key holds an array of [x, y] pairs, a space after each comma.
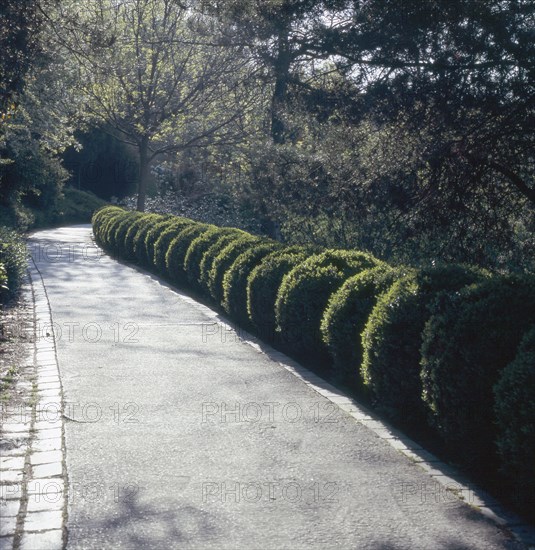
{"points": [[179, 434]]}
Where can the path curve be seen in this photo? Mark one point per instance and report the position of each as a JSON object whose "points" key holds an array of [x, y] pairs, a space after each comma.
{"points": [[179, 434]]}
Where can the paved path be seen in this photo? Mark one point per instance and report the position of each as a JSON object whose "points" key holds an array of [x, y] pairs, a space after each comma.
{"points": [[178, 434]]}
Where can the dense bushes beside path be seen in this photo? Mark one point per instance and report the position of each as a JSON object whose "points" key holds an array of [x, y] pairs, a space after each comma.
{"points": [[13, 262], [437, 344]]}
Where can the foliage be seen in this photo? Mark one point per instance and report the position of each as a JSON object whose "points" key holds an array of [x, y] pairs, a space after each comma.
{"points": [[305, 292], [136, 233], [235, 279], [224, 255], [178, 249], [471, 337], [514, 409], [199, 246], [346, 316], [392, 338], [264, 282], [13, 260], [161, 246]]}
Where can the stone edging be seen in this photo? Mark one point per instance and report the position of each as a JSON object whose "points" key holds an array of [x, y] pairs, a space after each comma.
{"points": [[40, 485], [447, 477]]}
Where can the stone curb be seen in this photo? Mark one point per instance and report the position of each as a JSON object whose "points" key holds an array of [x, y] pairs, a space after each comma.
{"points": [[37, 491], [447, 477]]}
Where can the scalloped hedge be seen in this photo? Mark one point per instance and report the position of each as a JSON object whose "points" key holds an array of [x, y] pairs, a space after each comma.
{"points": [[346, 316], [199, 246], [392, 337], [161, 245], [264, 282], [223, 260], [470, 339], [514, 410], [235, 279], [178, 248], [135, 232], [304, 294]]}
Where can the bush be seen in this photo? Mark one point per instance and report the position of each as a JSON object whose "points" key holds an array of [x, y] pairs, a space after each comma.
{"points": [[198, 247], [110, 226], [346, 316], [161, 246], [472, 336], [139, 242], [392, 338], [222, 262], [264, 282], [14, 261], [76, 206], [100, 219], [136, 229], [178, 248], [145, 247], [118, 231], [514, 410], [304, 294], [235, 279]]}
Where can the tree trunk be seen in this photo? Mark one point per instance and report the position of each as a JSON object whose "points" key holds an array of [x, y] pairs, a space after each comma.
{"points": [[143, 172]]}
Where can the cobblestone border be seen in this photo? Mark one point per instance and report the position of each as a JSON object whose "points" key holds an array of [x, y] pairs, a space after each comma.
{"points": [[447, 477], [33, 484]]}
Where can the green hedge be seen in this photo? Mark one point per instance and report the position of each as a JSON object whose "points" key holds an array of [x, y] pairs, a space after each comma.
{"points": [[304, 294], [14, 261], [223, 260], [235, 279], [514, 411], [346, 316], [100, 221], [135, 232], [199, 246], [392, 338], [178, 248], [472, 336], [145, 246], [161, 245], [264, 282]]}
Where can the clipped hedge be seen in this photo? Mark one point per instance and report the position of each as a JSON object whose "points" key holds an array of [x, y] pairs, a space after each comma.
{"points": [[392, 338], [514, 410], [264, 282], [161, 245], [346, 316], [199, 246], [135, 232], [223, 261], [235, 279], [101, 219], [305, 292], [118, 236], [472, 336], [147, 240], [178, 248]]}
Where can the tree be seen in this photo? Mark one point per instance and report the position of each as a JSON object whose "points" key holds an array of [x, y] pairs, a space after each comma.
{"points": [[152, 71]]}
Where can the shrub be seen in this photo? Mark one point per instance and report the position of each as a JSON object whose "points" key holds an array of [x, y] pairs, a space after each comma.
{"points": [[264, 282], [145, 249], [100, 219], [110, 226], [514, 409], [140, 248], [118, 233], [178, 248], [192, 261], [472, 336], [161, 246], [392, 338], [134, 232], [347, 313], [235, 279], [222, 262], [14, 259], [304, 293]]}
